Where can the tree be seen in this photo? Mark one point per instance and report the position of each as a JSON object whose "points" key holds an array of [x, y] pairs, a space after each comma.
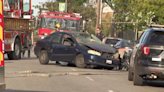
{"points": [[145, 12]]}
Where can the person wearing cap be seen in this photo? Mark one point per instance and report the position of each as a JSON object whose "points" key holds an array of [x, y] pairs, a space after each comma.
{"points": [[57, 26], [99, 34]]}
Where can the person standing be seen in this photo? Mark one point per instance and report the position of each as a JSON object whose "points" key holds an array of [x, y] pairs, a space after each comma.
{"points": [[27, 41], [99, 34], [57, 28]]}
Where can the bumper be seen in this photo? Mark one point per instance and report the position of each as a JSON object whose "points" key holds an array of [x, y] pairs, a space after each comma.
{"points": [[158, 71], [100, 61]]}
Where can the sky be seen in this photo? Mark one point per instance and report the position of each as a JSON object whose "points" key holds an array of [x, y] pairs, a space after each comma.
{"points": [[36, 2]]}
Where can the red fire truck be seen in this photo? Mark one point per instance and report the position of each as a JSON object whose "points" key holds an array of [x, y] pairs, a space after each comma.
{"points": [[48, 20], [18, 27]]}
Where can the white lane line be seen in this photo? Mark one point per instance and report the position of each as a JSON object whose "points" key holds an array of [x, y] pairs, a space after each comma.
{"points": [[73, 69], [110, 91], [89, 78]]}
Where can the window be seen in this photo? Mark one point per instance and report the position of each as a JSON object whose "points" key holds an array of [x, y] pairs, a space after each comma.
{"points": [[56, 38], [142, 37], [48, 38], [157, 37], [11, 1], [26, 5], [118, 44], [66, 38], [111, 41], [49, 23], [67, 24]]}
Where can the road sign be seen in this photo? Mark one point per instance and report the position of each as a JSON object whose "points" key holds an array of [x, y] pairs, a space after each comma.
{"points": [[61, 7]]}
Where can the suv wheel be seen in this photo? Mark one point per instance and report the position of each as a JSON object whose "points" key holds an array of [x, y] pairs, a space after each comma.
{"points": [[137, 80]]}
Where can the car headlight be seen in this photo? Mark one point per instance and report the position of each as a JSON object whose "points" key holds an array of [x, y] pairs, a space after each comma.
{"points": [[94, 52], [45, 34], [42, 37]]}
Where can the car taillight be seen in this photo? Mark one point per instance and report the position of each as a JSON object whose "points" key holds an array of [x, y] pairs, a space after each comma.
{"points": [[122, 48], [145, 49]]}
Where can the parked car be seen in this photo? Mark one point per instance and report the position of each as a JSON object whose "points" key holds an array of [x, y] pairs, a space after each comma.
{"points": [[124, 48], [111, 40], [126, 45], [75, 47], [147, 59]]}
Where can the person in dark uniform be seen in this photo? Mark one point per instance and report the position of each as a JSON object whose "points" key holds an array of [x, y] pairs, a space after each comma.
{"points": [[28, 43], [99, 34], [57, 26]]}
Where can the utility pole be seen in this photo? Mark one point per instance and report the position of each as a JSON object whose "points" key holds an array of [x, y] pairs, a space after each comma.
{"points": [[65, 5], [98, 14], [51, 5]]}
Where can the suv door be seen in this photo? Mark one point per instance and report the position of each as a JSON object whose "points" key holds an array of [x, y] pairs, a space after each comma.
{"points": [[135, 48], [155, 43]]}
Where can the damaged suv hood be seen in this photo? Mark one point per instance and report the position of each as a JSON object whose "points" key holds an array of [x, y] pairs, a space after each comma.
{"points": [[101, 47]]}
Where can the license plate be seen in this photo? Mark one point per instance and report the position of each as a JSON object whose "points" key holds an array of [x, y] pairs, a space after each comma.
{"points": [[109, 61], [156, 59]]}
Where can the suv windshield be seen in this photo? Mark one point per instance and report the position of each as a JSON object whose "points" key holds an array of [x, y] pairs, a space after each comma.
{"points": [[82, 38], [157, 37]]}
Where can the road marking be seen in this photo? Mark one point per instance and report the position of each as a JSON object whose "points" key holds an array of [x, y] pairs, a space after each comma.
{"points": [[110, 91], [89, 78], [73, 69]]}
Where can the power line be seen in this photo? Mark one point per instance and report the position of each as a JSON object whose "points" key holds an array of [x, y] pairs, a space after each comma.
{"points": [[117, 22]]}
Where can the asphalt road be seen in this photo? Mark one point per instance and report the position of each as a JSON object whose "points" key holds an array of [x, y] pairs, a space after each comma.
{"points": [[28, 75]]}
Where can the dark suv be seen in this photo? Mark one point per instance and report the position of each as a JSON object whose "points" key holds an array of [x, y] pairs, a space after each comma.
{"points": [[147, 58]]}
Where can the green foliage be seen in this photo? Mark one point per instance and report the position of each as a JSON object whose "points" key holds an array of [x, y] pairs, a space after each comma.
{"points": [[145, 12]]}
